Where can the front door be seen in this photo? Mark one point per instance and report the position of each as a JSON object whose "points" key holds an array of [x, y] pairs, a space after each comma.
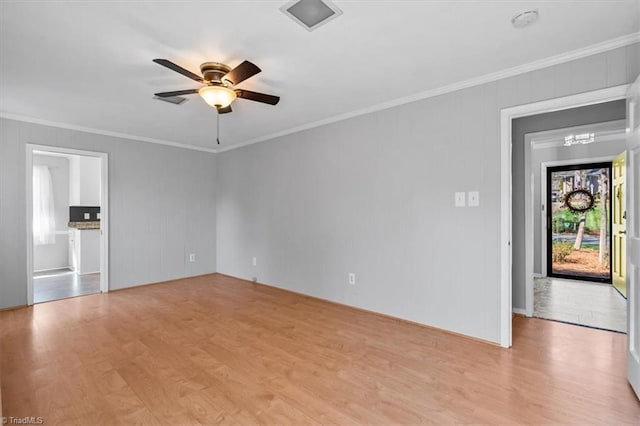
{"points": [[619, 228], [578, 222]]}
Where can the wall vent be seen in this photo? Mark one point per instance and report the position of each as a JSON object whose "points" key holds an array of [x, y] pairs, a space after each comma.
{"points": [[311, 14], [176, 100]]}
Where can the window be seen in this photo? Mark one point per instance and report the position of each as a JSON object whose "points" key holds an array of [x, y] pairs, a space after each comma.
{"points": [[44, 221]]}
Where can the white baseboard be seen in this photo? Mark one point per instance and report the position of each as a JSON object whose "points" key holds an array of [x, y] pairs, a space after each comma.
{"points": [[519, 311]]}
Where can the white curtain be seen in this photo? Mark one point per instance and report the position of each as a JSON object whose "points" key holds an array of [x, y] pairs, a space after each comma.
{"points": [[44, 221]]}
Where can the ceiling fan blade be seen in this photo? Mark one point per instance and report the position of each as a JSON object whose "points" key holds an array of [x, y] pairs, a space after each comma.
{"points": [[178, 69], [177, 93], [224, 110], [258, 97], [241, 73]]}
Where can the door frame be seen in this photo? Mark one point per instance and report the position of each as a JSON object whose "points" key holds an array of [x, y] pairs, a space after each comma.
{"points": [[507, 115], [104, 210], [548, 241]]}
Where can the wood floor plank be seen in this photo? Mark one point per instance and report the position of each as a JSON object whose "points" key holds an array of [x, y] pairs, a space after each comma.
{"points": [[217, 350]]}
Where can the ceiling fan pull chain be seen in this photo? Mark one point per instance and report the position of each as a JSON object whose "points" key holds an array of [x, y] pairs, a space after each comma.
{"points": [[218, 127]]}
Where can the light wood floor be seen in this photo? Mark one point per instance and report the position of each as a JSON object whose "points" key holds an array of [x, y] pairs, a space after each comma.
{"points": [[215, 349]]}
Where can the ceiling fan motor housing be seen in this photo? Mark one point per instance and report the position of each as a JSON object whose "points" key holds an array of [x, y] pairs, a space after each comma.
{"points": [[214, 71]]}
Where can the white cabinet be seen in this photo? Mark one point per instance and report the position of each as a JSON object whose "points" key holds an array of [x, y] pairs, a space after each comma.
{"points": [[84, 250], [84, 181]]}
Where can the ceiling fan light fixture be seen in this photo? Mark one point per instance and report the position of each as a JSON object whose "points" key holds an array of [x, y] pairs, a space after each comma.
{"points": [[217, 96]]}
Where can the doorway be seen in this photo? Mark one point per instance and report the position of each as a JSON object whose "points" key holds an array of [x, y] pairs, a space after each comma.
{"points": [[559, 290], [67, 207], [508, 115], [579, 222], [510, 252]]}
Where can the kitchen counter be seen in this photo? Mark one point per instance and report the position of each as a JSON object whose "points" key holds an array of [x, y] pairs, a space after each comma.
{"points": [[94, 224]]}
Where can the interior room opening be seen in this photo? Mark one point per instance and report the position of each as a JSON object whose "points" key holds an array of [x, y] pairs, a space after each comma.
{"points": [[572, 202], [66, 225]]}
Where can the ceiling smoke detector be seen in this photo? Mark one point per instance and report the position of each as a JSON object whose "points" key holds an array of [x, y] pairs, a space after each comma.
{"points": [[311, 14], [525, 18]]}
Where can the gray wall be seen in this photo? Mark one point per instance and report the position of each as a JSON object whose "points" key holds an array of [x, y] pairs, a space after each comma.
{"points": [[52, 256], [563, 153], [162, 207], [371, 195], [374, 195], [599, 113]]}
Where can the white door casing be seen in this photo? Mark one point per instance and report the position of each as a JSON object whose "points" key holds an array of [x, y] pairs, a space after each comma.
{"points": [[506, 117], [633, 236], [104, 213]]}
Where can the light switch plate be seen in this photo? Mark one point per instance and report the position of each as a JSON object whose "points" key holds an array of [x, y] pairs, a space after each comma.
{"points": [[474, 198], [460, 199]]}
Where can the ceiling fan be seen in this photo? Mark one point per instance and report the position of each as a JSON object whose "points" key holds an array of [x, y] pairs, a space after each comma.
{"points": [[219, 81]]}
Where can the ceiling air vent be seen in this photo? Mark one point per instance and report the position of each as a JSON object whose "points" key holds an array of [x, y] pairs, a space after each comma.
{"points": [[176, 100], [311, 14]]}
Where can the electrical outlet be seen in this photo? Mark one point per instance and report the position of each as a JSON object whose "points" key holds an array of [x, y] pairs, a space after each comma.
{"points": [[255, 261], [192, 257], [352, 278]]}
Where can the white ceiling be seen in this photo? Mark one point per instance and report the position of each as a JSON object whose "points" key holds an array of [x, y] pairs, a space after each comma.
{"points": [[88, 64]]}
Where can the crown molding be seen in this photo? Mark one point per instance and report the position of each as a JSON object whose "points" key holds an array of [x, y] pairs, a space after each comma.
{"points": [[476, 81], [103, 132]]}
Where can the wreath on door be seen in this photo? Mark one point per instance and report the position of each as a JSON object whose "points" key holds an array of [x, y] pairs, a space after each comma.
{"points": [[579, 201]]}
